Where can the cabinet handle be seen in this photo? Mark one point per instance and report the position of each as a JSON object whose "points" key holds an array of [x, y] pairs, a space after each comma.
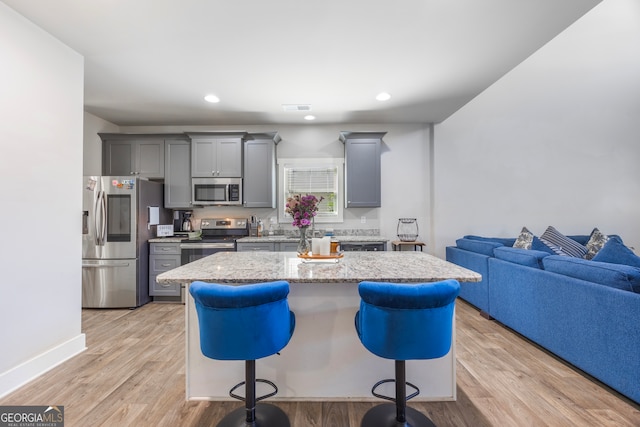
{"points": [[165, 265], [164, 285]]}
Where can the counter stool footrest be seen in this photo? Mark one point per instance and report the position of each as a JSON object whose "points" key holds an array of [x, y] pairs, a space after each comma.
{"points": [[258, 399], [393, 399]]}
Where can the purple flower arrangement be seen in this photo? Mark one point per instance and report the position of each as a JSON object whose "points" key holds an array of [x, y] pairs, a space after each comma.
{"points": [[302, 209]]}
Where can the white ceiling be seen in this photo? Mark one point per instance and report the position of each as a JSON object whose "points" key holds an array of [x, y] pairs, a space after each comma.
{"points": [[151, 62]]}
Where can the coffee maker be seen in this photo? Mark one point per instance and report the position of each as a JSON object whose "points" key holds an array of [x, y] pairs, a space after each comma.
{"points": [[182, 221]]}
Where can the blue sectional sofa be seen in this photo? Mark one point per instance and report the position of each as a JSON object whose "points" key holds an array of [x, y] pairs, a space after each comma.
{"points": [[587, 312]]}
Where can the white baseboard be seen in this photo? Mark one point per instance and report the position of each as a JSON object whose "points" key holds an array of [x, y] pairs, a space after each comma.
{"points": [[16, 377]]}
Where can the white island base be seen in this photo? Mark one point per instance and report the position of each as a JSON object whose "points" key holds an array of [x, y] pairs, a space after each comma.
{"points": [[324, 360]]}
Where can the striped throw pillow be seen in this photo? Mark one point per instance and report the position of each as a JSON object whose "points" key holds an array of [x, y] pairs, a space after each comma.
{"points": [[561, 244]]}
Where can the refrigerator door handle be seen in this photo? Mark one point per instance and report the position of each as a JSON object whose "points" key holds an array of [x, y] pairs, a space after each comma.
{"points": [[103, 264], [104, 217], [100, 218], [96, 219]]}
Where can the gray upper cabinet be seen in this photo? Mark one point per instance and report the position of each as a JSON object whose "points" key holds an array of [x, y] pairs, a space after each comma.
{"points": [[216, 155], [177, 180], [362, 168], [259, 183], [135, 155]]}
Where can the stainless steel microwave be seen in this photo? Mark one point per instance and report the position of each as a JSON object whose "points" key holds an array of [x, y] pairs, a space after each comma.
{"points": [[216, 191]]}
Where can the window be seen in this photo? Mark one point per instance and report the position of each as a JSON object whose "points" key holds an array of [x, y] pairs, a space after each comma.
{"points": [[320, 177]]}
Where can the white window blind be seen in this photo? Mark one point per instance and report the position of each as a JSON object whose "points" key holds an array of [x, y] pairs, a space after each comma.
{"points": [[319, 181], [322, 178]]}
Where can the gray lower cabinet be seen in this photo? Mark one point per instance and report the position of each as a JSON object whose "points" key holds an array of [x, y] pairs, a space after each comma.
{"points": [[163, 257], [255, 247], [135, 155], [259, 180], [288, 246], [177, 179], [362, 169], [267, 246]]}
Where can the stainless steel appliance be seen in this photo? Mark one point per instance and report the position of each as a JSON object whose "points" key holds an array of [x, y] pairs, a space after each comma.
{"points": [[186, 222], [216, 191], [117, 215], [362, 247], [218, 235]]}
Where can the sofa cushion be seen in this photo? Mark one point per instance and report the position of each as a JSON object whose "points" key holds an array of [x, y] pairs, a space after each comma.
{"points": [[615, 252], [484, 247], [507, 241], [528, 257], [596, 241], [580, 238], [562, 244], [615, 275]]}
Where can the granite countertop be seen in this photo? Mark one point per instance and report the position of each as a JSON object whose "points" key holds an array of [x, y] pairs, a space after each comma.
{"points": [[273, 239], [174, 239], [255, 267], [284, 239]]}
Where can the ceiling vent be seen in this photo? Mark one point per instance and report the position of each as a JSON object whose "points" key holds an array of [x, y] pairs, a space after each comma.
{"points": [[296, 107]]}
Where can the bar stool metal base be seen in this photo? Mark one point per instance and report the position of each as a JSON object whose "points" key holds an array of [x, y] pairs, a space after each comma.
{"points": [[266, 415], [385, 416]]}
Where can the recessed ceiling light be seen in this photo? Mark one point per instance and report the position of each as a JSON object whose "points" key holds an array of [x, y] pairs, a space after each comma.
{"points": [[383, 96], [309, 117], [211, 98]]}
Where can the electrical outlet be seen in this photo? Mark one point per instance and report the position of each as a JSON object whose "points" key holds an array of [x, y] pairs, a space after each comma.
{"points": [[363, 219]]}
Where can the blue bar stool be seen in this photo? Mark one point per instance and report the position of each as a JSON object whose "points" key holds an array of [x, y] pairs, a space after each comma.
{"points": [[245, 322], [403, 321]]}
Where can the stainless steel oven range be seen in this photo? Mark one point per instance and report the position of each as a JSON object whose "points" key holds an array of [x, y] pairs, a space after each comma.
{"points": [[218, 235]]}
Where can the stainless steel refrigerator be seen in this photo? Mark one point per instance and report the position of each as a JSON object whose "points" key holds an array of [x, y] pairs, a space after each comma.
{"points": [[119, 216]]}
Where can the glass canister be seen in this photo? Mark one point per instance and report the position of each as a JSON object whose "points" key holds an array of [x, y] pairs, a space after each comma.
{"points": [[335, 245], [407, 229]]}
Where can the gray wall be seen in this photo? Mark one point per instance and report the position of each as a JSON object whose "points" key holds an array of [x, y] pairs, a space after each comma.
{"points": [[554, 142], [41, 82]]}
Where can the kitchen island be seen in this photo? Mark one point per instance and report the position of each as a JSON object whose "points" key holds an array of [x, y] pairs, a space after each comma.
{"points": [[324, 359]]}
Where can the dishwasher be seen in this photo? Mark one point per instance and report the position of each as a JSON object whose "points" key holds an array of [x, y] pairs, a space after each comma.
{"points": [[362, 247]]}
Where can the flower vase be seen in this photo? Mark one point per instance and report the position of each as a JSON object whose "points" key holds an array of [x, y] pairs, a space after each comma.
{"points": [[303, 244]]}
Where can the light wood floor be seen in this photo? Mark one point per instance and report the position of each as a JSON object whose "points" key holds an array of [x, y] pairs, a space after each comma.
{"points": [[133, 375]]}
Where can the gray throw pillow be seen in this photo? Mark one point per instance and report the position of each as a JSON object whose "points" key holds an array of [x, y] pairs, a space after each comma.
{"points": [[524, 240], [595, 243]]}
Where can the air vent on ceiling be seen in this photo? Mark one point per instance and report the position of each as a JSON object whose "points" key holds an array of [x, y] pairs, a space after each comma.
{"points": [[296, 107]]}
